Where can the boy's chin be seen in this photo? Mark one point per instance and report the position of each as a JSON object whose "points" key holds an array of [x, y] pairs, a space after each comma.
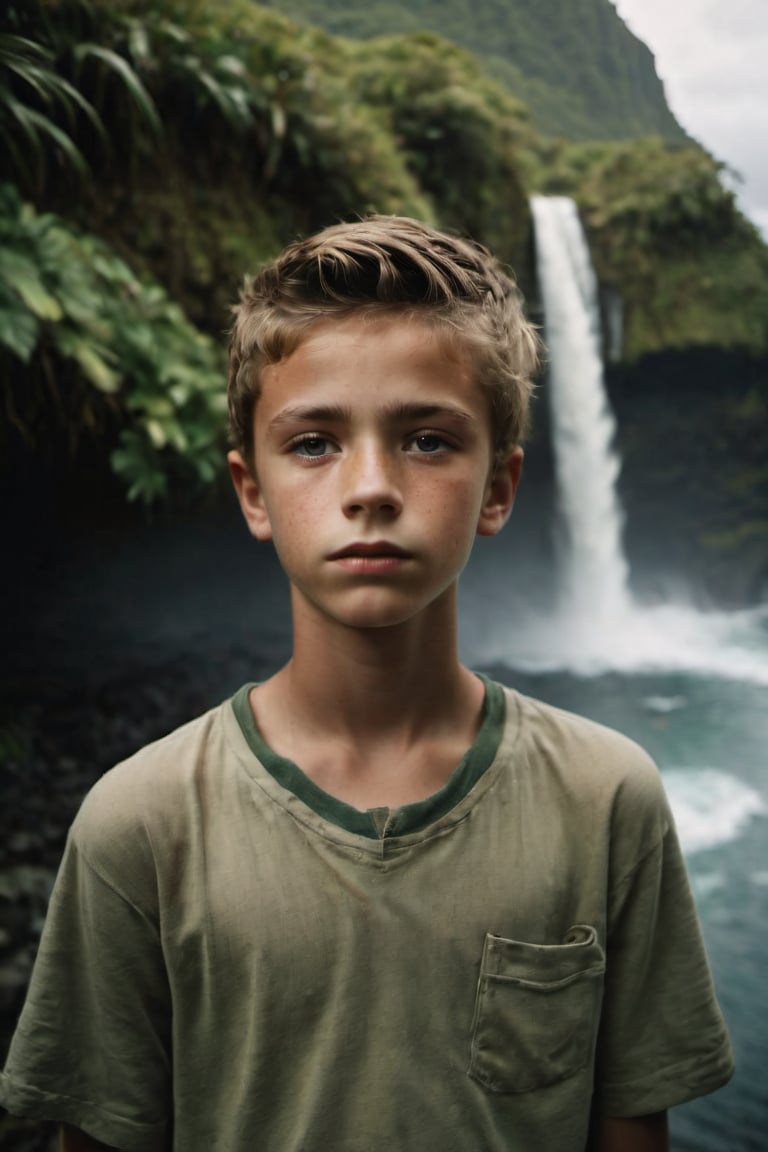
{"points": [[369, 612]]}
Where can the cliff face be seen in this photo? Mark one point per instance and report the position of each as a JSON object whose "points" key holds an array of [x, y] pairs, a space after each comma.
{"points": [[578, 67], [692, 430]]}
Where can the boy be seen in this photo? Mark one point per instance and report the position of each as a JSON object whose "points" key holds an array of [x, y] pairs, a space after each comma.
{"points": [[376, 901]]}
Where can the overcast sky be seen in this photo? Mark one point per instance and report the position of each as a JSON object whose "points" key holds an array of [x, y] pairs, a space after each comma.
{"points": [[712, 56]]}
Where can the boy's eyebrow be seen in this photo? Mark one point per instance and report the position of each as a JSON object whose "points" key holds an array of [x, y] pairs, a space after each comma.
{"points": [[330, 413], [310, 413], [425, 411]]}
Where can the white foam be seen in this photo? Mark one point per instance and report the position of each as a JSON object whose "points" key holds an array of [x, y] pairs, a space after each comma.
{"points": [[665, 638], [710, 807], [663, 705]]}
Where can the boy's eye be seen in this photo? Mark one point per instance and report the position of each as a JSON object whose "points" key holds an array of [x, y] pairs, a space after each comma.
{"points": [[429, 442], [311, 446]]}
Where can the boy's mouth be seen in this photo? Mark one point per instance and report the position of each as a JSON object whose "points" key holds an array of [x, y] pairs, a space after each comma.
{"points": [[378, 549]]}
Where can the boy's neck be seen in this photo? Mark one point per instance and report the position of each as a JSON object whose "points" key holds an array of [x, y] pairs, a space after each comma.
{"points": [[375, 680], [370, 681], [356, 702]]}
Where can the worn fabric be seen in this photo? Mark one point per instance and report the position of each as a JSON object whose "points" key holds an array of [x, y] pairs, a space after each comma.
{"points": [[235, 960]]}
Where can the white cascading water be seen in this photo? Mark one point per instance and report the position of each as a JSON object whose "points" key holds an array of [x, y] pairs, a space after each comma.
{"points": [[597, 625], [594, 581]]}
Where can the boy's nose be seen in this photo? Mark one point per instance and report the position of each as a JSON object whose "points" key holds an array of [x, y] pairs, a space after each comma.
{"points": [[371, 482]]}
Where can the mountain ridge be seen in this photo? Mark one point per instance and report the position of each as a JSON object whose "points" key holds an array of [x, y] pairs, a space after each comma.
{"points": [[582, 71]]}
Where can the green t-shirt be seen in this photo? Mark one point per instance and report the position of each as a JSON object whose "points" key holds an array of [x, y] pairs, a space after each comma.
{"points": [[234, 960]]}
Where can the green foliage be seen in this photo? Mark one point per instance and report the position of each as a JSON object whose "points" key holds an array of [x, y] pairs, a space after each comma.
{"points": [[52, 89], [259, 127], [662, 195], [32, 95], [104, 351], [194, 69], [464, 138], [332, 145], [112, 68]]}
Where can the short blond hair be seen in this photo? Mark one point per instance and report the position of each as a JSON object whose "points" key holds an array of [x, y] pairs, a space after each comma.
{"points": [[387, 265]]}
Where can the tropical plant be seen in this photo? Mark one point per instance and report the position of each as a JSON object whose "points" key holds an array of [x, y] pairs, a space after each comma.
{"points": [[55, 86], [84, 341], [34, 98]]}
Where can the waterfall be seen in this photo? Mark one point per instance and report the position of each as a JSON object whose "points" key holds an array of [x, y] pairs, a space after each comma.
{"points": [[594, 580], [596, 625]]}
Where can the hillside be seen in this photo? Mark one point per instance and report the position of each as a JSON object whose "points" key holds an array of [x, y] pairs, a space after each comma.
{"points": [[577, 65]]}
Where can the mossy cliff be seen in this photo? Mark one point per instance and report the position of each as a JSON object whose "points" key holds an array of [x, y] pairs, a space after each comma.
{"points": [[668, 242]]}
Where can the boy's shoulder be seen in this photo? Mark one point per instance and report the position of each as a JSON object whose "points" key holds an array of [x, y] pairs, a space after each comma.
{"points": [[579, 744], [142, 804], [162, 763], [593, 776]]}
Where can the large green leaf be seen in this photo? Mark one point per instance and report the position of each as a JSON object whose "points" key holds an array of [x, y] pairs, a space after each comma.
{"points": [[19, 333], [92, 361], [36, 125], [21, 274], [120, 67]]}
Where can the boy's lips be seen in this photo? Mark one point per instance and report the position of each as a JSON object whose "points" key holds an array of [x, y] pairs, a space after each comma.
{"points": [[378, 549]]}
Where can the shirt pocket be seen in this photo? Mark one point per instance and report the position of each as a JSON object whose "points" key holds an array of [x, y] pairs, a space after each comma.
{"points": [[537, 1010]]}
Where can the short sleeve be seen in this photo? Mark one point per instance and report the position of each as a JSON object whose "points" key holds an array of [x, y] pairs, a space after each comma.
{"points": [[662, 1036], [92, 1046]]}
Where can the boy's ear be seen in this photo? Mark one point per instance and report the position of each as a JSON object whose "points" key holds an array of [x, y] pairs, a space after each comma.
{"points": [[500, 494], [250, 496]]}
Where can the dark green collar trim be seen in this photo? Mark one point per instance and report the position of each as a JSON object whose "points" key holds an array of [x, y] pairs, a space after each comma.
{"points": [[378, 822]]}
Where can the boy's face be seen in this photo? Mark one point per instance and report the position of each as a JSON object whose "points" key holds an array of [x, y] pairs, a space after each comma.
{"points": [[374, 458]]}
